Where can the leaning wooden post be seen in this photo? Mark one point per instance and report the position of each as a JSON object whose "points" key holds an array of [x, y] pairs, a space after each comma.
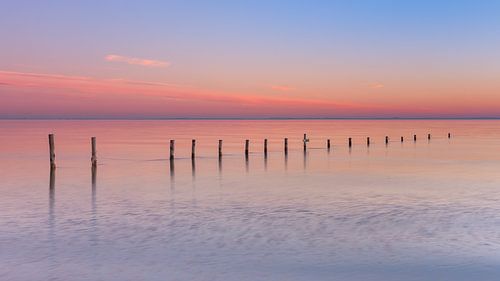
{"points": [[414, 137], [172, 147], [193, 148], [93, 159], [220, 148], [428, 136], [247, 142], [286, 145], [265, 147], [52, 154], [350, 142], [368, 141], [328, 144], [386, 139]]}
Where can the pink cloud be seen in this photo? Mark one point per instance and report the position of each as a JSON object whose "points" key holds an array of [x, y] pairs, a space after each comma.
{"points": [[38, 94], [47, 94], [282, 88], [136, 61], [377, 86]]}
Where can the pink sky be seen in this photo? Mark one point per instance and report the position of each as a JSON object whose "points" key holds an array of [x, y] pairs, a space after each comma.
{"points": [[249, 59], [49, 95]]}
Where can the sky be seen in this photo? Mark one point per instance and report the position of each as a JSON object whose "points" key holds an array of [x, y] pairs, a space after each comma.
{"points": [[249, 59]]}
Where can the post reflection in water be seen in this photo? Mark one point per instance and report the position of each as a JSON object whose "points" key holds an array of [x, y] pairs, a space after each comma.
{"points": [[219, 169], [51, 221], [172, 174], [94, 238], [193, 182], [305, 159], [94, 186], [193, 168], [286, 161], [52, 194], [220, 166], [246, 163], [265, 162]]}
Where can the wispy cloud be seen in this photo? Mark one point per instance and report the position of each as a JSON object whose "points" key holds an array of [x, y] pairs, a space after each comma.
{"points": [[49, 94], [282, 88], [377, 86], [136, 61]]}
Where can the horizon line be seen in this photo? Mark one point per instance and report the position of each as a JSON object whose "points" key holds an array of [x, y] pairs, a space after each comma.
{"points": [[245, 118]]}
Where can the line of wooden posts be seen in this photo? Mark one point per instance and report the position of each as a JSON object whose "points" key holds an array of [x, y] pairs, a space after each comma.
{"points": [[305, 140]]}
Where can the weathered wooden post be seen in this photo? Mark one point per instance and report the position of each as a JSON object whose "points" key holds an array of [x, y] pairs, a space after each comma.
{"points": [[428, 136], [350, 142], [449, 135], [172, 147], [414, 137], [93, 159], [368, 141], [402, 139], [220, 148], [193, 148], [247, 142], [52, 154], [265, 147], [328, 144], [286, 146], [386, 140]]}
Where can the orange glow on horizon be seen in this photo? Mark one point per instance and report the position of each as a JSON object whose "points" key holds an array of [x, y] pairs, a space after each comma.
{"points": [[60, 95]]}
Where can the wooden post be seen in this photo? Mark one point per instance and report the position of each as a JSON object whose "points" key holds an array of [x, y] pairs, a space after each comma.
{"points": [[172, 147], [193, 148], [386, 139], [52, 154], [350, 142], [265, 147], [93, 159], [328, 144], [428, 136], [414, 137], [220, 148], [286, 146], [402, 139], [247, 142], [305, 141], [449, 135], [368, 141]]}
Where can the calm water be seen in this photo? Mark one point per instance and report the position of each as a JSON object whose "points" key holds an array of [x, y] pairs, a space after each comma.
{"points": [[428, 210]]}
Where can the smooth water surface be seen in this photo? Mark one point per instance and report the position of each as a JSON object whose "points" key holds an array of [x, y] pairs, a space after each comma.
{"points": [[424, 210]]}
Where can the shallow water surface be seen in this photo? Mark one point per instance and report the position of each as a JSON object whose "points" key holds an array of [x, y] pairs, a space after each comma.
{"points": [[424, 210]]}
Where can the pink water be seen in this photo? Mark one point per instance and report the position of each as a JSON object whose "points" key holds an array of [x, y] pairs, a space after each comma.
{"points": [[422, 210]]}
